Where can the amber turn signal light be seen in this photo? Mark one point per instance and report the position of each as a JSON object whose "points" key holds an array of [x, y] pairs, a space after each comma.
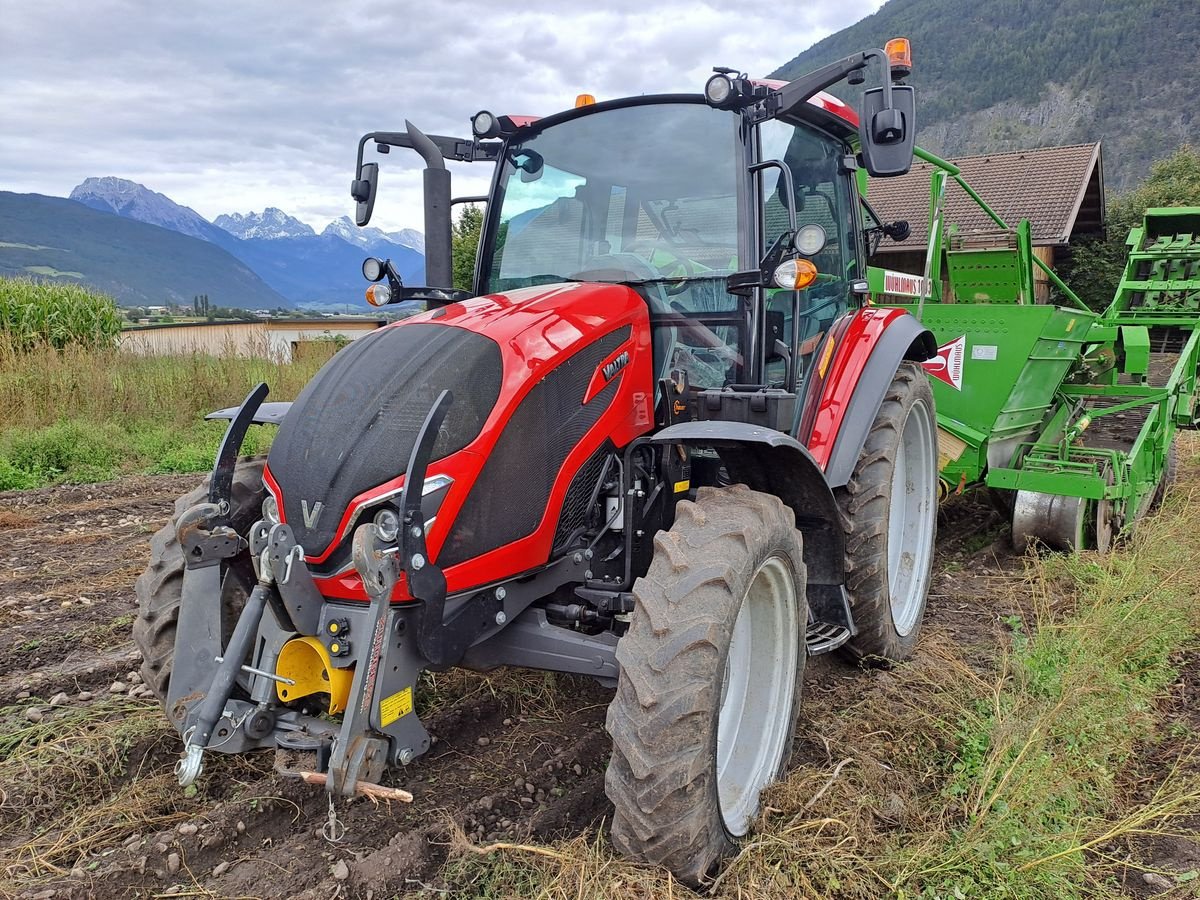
{"points": [[795, 274]]}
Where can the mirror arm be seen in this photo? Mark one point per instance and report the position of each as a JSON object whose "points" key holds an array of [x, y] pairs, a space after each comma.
{"points": [[791, 95]]}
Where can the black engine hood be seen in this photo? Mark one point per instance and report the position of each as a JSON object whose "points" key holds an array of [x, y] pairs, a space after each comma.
{"points": [[354, 425]]}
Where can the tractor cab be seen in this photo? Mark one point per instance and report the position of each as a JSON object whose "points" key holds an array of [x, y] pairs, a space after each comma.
{"points": [[674, 197], [734, 214]]}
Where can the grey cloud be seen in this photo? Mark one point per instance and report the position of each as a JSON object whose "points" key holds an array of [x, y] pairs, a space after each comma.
{"points": [[229, 106]]}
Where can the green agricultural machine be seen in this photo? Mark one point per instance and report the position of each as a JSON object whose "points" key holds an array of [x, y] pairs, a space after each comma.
{"points": [[1069, 415]]}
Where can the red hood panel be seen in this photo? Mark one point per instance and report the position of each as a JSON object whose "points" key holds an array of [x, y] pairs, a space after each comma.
{"points": [[537, 329]]}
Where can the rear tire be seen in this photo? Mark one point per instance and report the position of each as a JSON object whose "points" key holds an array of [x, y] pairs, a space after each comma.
{"points": [[709, 686], [889, 511], [159, 588]]}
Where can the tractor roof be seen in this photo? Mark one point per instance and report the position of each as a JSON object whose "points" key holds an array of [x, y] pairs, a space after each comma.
{"points": [[822, 100]]}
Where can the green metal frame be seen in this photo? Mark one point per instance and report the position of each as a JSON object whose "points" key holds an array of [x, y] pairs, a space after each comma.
{"points": [[1036, 378]]}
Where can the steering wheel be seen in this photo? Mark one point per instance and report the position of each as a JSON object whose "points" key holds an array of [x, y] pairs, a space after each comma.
{"points": [[689, 267]]}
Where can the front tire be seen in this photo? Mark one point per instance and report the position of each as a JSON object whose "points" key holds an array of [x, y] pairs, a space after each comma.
{"points": [[159, 588], [709, 687], [889, 511]]}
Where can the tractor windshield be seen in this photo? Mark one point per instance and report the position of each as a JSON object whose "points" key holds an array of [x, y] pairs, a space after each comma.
{"points": [[641, 195]]}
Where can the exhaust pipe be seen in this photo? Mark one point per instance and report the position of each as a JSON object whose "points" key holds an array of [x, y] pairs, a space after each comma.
{"points": [[438, 253]]}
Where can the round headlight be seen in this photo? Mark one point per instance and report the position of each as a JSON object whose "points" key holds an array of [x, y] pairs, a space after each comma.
{"points": [[485, 125], [387, 523], [718, 89], [270, 509], [810, 240], [795, 274], [373, 268]]}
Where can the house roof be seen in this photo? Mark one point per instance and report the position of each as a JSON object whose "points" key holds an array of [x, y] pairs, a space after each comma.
{"points": [[1060, 190]]}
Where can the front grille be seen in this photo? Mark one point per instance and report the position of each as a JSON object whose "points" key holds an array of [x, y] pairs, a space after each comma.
{"points": [[577, 504], [509, 500]]}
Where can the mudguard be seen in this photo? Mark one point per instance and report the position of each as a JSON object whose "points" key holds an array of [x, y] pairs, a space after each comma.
{"points": [[775, 463], [874, 346]]}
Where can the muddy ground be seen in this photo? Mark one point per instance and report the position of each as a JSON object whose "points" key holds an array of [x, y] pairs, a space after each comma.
{"points": [[516, 756]]}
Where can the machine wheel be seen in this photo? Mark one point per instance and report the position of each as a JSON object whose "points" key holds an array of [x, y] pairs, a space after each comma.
{"points": [[1170, 474], [889, 511], [710, 678], [160, 587]]}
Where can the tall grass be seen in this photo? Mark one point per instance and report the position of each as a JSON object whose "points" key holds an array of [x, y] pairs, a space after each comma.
{"points": [[84, 414], [34, 313]]}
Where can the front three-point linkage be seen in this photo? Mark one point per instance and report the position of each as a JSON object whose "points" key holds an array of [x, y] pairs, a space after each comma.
{"points": [[207, 536], [360, 753]]}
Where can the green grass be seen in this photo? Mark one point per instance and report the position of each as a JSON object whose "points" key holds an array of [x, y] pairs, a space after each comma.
{"points": [[80, 415]]}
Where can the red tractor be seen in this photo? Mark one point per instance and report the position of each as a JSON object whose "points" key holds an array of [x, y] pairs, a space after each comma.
{"points": [[666, 442]]}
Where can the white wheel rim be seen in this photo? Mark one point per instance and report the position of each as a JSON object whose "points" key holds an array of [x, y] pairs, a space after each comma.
{"points": [[911, 518], [757, 693]]}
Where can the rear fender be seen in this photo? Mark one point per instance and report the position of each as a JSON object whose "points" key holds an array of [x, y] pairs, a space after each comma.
{"points": [[775, 463], [874, 345]]}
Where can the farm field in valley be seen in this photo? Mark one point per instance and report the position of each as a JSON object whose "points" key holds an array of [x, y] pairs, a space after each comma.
{"points": [[883, 759]]}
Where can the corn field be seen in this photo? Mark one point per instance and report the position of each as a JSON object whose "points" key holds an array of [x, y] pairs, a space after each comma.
{"points": [[38, 314]]}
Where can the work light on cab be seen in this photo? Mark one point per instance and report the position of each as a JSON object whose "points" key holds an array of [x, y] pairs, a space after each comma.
{"points": [[718, 90], [810, 239], [485, 125], [373, 269]]}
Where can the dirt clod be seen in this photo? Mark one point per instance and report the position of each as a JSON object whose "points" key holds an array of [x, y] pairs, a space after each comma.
{"points": [[341, 871], [173, 863]]}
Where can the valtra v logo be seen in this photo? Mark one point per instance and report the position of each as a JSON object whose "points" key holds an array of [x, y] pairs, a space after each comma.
{"points": [[947, 366]]}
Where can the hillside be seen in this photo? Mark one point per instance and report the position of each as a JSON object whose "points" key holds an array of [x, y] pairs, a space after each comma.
{"points": [[139, 264], [998, 75]]}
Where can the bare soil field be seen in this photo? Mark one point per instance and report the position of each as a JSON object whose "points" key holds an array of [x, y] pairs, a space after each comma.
{"points": [[89, 805]]}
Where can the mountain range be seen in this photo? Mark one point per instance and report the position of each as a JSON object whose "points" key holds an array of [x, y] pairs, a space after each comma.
{"points": [[992, 75], [144, 248]]}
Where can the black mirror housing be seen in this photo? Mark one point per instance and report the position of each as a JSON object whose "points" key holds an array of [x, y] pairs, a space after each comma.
{"points": [[363, 190], [888, 135]]}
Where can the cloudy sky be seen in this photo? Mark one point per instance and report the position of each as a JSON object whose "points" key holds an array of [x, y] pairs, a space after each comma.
{"points": [[235, 105]]}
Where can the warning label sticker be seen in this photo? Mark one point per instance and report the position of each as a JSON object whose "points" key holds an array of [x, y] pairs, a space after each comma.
{"points": [[947, 366], [984, 351], [393, 707]]}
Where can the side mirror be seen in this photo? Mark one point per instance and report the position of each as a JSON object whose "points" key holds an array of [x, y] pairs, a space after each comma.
{"points": [[888, 135], [898, 230], [363, 189]]}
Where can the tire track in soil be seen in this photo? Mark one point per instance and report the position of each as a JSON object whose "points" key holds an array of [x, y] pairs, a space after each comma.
{"points": [[523, 762]]}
